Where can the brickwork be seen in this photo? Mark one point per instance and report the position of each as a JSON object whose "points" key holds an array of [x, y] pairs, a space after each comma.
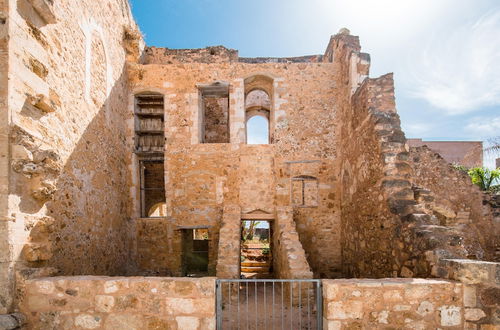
{"points": [[90, 302]]}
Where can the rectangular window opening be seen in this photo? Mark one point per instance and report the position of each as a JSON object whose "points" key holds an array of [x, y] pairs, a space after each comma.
{"points": [[214, 113], [152, 189]]}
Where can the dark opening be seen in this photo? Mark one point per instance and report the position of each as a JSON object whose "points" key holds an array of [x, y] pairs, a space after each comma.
{"points": [[195, 249], [152, 187]]}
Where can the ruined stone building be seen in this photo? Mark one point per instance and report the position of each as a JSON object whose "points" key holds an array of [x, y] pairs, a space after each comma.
{"points": [[466, 153], [119, 159]]}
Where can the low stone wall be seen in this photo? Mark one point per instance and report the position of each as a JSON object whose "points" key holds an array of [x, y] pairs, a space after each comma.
{"points": [[481, 281], [392, 304], [92, 302], [289, 257]]}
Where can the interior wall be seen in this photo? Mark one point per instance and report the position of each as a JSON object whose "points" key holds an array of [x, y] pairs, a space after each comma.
{"points": [[69, 178]]}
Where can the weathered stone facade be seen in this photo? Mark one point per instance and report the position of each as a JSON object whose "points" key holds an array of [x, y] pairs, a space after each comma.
{"points": [[113, 154], [64, 194], [92, 302], [393, 303]]}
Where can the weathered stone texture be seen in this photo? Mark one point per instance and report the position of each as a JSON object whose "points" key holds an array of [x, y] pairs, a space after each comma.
{"points": [[466, 153], [456, 202], [203, 177], [66, 130], [215, 54], [90, 302], [6, 283], [392, 303]]}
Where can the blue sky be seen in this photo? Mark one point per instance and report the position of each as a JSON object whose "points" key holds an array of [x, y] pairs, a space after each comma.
{"points": [[445, 54]]}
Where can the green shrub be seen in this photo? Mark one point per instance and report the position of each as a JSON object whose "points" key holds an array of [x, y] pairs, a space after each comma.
{"points": [[486, 179]]}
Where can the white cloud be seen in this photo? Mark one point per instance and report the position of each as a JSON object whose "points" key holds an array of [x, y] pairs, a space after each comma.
{"points": [[484, 127], [459, 72]]}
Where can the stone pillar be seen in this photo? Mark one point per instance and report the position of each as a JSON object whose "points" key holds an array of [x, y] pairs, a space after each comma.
{"points": [[228, 260]]}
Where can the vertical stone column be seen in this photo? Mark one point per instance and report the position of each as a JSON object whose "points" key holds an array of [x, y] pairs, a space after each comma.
{"points": [[237, 112], [228, 260]]}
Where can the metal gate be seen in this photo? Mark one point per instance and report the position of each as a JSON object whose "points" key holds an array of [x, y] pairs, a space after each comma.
{"points": [[269, 304]]}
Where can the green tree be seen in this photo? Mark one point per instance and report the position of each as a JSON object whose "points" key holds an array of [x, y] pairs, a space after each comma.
{"points": [[486, 179]]}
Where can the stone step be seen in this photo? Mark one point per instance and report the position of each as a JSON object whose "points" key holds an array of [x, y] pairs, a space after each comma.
{"points": [[255, 269]]}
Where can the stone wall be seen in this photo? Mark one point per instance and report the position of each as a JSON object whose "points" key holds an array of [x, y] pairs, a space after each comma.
{"points": [[450, 195], [481, 282], [203, 177], [375, 182], [393, 304], [466, 153], [90, 302], [215, 54], [6, 282], [68, 177]]}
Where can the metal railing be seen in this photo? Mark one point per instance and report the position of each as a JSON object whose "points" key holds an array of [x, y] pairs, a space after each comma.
{"points": [[269, 304]]}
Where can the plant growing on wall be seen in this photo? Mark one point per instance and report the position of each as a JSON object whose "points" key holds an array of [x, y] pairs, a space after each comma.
{"points": [[486, 179]]}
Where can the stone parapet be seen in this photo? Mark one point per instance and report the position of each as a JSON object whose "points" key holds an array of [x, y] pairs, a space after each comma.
{"points": [[392, 303], [92, 302], [481, 280]]}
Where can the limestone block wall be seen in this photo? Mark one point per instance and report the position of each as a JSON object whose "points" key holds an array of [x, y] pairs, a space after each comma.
{"points": [[481, 282], [393, 303], [91, 302], [68, 177], [158, 248]]}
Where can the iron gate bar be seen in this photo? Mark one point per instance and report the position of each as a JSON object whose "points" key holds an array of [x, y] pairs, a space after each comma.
{"points": [[243, 288]]}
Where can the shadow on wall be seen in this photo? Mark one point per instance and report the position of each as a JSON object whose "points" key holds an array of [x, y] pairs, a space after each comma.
{"points": [[85, 229]]}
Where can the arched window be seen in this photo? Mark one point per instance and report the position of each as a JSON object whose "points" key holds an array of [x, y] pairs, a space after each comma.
{"points": [[258, 109], [258, 130], [257, 106]]}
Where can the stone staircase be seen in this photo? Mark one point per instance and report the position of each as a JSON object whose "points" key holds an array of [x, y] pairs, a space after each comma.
{"points": [[289, 256]]}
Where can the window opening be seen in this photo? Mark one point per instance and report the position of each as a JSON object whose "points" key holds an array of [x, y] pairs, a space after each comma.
{"points": [[214, 121], [152, 187]]}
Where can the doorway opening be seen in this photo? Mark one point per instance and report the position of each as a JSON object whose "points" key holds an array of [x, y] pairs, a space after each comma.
{"points": [[256, 249], [195, 249]]}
